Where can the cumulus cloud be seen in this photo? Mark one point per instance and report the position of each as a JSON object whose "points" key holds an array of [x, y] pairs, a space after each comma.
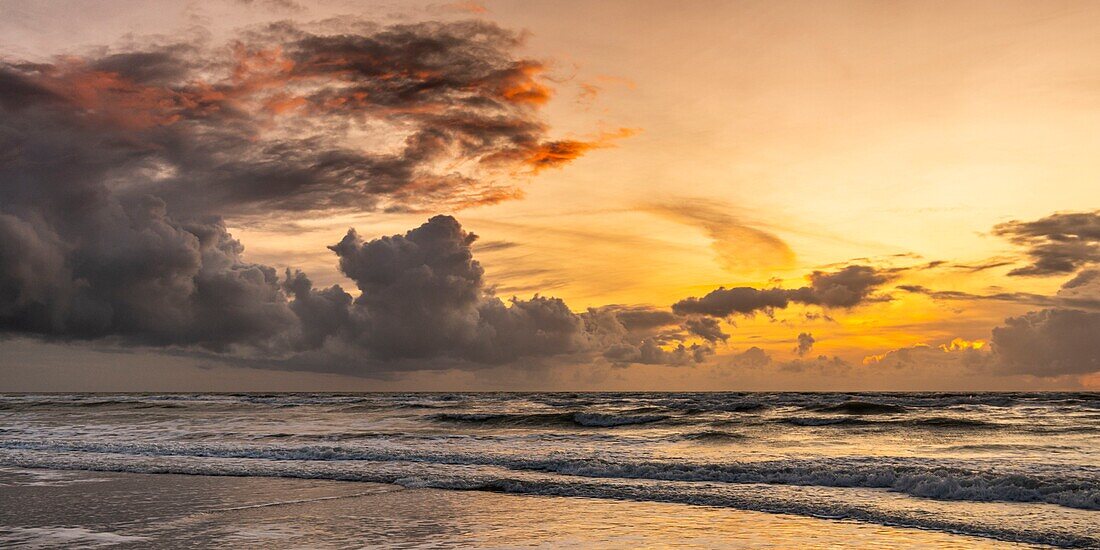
{"points": [[1057, 340], [845, 288], [1049, 342], [1059, 243], [423, 296], [646, 335], [125, 270]]}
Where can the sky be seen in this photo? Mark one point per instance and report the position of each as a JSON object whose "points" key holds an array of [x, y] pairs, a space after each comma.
{"points": [[282, 195]]}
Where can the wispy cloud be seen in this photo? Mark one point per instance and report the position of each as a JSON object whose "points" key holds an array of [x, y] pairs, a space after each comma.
{"points": [[738, 246]]}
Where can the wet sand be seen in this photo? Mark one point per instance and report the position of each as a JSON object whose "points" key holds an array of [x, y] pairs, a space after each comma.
{"points": [[77, 509]]}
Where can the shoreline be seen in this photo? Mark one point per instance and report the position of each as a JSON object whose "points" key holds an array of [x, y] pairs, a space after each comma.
{"points": [[81, 508]]}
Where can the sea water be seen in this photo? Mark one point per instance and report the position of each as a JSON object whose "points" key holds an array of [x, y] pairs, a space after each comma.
{"points": [[1018, 467]]}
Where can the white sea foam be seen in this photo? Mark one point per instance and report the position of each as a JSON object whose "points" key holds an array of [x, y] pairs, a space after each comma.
{"points": [[942, 479]]}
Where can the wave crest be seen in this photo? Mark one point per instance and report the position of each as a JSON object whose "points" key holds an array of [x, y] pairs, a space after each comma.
{"points": [[583, 419]]}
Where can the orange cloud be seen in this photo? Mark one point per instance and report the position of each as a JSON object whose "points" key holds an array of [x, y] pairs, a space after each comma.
{"points": [[108, 97], [519, 85], [553, 154], [261, 68], [958, 344], [283, 104]]}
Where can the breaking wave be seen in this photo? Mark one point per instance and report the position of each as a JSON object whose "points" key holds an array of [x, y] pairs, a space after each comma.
{"points": [[945, 480]]}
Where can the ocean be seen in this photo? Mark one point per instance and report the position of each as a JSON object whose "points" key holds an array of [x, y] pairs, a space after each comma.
{"points": [[987, 467]]}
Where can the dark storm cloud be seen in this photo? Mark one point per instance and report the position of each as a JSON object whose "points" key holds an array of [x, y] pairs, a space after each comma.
{"points": [[1057, 244], [1049, 342], [845, 288], [115, 170], [16, 92], [423, 296], [127, 271], [650, 352], [1061, 339]]}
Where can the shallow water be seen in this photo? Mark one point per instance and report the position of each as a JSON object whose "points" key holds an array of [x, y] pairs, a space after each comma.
{"points": [[1008, 467], [50, 509]]}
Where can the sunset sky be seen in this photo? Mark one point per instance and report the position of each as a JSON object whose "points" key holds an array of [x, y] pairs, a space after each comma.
{"points": [[679, 196]]}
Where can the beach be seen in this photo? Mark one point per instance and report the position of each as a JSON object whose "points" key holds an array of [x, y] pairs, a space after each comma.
{"points": [[74, 509]]}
